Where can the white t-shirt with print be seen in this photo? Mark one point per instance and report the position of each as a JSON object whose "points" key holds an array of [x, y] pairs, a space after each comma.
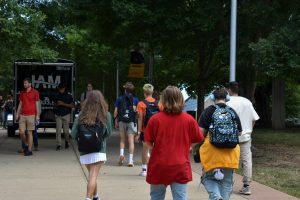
{"points": [[244, 108]]}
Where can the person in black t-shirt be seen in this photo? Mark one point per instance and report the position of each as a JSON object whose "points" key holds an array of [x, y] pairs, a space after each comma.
{"points": [[218, 163], [63, 107]]}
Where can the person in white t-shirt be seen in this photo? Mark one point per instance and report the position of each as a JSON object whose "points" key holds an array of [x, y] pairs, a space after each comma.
{"points": [[244, 108]]}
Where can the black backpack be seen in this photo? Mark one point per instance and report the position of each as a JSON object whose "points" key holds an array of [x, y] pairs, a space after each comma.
{"points": [[126, 111], [151, 109], [90, 138], [9, 106]]}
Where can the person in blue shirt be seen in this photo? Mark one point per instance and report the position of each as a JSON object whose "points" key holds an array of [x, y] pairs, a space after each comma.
{"points": [[125, 121]]}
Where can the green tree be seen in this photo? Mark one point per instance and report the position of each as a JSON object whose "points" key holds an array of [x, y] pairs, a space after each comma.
{"points": [[21, 36]]}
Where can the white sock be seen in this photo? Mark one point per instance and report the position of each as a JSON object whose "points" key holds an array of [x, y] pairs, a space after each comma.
{"points": [[88, 198], [130, 157], [121, 152], [144, 166]]}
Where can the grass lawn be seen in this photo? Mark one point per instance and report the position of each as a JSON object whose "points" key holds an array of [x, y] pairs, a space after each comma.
{"points": [[276, 159]]}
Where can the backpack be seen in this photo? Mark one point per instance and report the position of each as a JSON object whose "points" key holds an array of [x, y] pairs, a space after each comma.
{"points": [[8, 106], [151, 109], [126, 111], [90, 138], [223, 130]]}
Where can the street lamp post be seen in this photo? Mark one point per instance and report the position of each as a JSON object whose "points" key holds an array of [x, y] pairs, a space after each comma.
{"points": [[233, 40]]}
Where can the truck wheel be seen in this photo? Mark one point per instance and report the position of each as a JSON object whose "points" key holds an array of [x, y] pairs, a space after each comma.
{"points": [[10, 131]]}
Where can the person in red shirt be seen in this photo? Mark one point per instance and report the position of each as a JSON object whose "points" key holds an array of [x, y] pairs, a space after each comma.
{"points": [[170, 134], [28, 114], [153, 106]]}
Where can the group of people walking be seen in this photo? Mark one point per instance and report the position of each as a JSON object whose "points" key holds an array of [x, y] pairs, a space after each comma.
{"points": [[165, 131]]}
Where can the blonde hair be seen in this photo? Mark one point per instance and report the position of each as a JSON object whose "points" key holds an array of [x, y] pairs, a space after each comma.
{"points": [[94, 107], [172, 100], [148, 89]]}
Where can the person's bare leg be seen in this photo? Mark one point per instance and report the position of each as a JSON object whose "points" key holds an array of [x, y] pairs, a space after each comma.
{"points": [[131, 143], [22, 136], [145, 154], [131, 149], [122, 147], [92, 179], [29, 140], [122, 140]]}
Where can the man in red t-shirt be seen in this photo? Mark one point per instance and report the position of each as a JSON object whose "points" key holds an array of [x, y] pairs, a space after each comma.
{"points": [[28, 114], [155, 106]]}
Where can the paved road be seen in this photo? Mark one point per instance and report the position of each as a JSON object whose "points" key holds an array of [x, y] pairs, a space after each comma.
{"points": [[52, 175]]}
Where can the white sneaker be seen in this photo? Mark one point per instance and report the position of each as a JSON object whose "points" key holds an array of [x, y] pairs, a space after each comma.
{"points": [[143, 173], [130, 164], [245, 190]]}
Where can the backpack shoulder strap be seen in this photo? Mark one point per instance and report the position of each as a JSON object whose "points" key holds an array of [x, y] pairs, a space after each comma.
{"points": [[146, 102]]}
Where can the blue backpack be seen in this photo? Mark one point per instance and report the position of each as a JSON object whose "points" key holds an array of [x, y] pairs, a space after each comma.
{"points": [[223, 131]]}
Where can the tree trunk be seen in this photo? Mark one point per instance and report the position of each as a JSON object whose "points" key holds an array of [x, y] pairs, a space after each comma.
{"points": [[278, 103]]}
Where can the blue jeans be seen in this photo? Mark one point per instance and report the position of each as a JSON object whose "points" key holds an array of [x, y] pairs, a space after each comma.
{"points": [[158, 192], [5, 119], [218, 189]]}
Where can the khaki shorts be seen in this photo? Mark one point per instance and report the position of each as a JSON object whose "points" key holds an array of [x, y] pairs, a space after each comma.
{"points": [[27, 122], [129, 128]]}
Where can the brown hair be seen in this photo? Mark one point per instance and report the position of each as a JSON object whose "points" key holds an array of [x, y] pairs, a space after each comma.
{"points": [[172, 100], [94, 107]]}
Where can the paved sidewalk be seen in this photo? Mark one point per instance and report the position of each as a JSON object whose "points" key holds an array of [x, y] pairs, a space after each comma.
{"points": [[52, 175], [47, 175]]}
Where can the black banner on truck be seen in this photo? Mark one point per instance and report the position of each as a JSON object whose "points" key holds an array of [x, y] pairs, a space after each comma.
{"points": [[45, 78]]}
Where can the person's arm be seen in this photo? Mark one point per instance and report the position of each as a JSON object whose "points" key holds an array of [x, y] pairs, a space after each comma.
{"points": [[109, 125], [3, 106], [68, 105], [116, 118], [204, 131], [139, 126], [38, 110], [19, 111], [75, 128]]}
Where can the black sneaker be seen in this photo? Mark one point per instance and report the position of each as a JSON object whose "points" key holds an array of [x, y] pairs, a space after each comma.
{"points": [[95, 198], [66, 145], [28, 153], [58, 148]]}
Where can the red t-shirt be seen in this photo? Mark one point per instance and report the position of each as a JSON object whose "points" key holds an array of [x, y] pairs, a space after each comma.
{"points": [[172, 136], [29, 100]]}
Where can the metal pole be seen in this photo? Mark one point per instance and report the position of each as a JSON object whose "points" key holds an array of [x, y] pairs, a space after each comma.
{"points": [[233, 40], [117, 80]]}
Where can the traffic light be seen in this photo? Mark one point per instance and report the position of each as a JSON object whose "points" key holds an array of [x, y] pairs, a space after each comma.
{"points": [[136, 57]]}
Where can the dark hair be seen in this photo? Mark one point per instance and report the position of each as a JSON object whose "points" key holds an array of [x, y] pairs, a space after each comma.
{"points": [[129, 87], [27, 79], [61, 85], [220, 93], [172, 100], [89, 83], [233, 86]]}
